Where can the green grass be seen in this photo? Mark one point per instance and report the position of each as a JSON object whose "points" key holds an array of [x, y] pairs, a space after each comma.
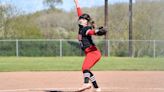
{"points": [[12, 64]]}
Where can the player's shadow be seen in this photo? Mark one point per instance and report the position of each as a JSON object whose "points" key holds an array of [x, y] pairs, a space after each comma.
{"points": [[54, 91]]}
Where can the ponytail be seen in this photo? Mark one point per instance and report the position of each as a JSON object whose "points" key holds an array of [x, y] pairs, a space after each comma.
{"points": [[92, 24]]}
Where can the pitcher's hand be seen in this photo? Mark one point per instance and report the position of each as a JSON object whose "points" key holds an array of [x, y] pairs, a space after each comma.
{"points": [[76, 1]]}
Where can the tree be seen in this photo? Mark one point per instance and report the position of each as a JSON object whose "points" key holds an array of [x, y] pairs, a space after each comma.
{"points": [[130, 28], [52, 3], [1, 17], [106, 24], [7, 12]]}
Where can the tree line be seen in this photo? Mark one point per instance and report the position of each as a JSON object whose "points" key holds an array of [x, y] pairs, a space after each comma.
{"points": [[53, 23]]}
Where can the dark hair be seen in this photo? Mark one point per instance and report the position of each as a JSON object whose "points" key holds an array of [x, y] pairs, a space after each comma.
{"points": [[85, 16], [92, 24], [88, 18]]}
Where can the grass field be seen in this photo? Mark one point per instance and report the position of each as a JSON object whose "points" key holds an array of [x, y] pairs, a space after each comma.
{"points": [[12, 64]]}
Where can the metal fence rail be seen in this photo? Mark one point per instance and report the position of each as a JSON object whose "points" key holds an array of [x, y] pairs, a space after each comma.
{"points": [[63, 47]]}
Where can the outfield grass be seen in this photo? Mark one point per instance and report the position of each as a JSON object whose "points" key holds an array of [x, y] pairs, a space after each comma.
{"points": [[12, 64]]}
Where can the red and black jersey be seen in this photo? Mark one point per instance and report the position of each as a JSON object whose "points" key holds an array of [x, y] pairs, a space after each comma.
{"points": [[86, 40], [85, 34]]}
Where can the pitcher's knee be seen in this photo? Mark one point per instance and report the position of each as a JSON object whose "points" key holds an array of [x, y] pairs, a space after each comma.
{"points": [[85, 68]]}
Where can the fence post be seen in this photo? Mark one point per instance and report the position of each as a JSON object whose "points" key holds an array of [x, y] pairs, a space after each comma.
{"points": [[108, 48], [154, 51], [61, 50], [17, 48]]}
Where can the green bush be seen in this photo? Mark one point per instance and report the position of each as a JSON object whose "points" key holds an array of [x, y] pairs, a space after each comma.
{"points": [[7, 48], [39, 48]]}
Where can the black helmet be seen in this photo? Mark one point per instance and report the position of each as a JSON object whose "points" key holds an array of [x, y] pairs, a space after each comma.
{"points": [[85, 16]]}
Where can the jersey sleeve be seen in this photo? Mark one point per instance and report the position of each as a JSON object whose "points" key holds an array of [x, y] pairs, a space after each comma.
{"points": [[85, 29], [79, 11], [90, 32]]}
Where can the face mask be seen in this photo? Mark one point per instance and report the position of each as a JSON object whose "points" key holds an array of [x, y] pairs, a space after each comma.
{"points": [[82, 22], [80, 26]]}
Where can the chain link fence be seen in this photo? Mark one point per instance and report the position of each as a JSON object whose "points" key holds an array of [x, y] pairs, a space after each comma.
{"points": [[34, 28], [60, 47]]}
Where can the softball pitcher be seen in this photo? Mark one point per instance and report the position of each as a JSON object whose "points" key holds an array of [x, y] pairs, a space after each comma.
{"points": [[92, 54]]}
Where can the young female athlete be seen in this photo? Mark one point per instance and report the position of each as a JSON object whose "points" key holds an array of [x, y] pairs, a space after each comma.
{"points": [[93, 55]]}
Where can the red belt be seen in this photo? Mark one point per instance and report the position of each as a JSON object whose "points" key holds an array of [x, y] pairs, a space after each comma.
{"points": [[90, 49]]}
